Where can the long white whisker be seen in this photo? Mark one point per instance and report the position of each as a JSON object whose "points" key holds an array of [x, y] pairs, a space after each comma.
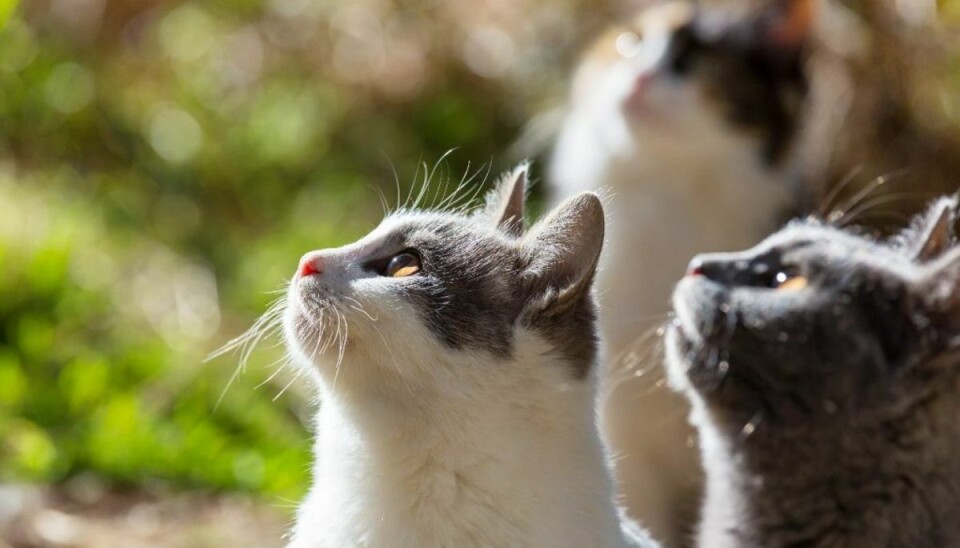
{"points": [[336, 372], [284, 362], [288, 385], [265, 325]]}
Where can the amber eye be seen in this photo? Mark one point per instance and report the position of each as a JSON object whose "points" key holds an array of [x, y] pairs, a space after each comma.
{"points": [[787, 282], [402, 265]]}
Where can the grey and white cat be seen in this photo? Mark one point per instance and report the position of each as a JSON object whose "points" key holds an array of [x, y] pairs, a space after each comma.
{"points": [[823, 368], [454, 358], [686, 116]]}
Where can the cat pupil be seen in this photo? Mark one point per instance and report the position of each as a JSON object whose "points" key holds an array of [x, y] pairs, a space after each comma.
{"points": [[403, 264]]}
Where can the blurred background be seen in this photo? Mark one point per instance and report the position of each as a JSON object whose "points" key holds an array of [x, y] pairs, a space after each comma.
{"points": [[163, 165]]}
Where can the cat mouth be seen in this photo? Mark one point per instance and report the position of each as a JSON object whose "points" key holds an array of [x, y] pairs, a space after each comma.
{"points": [[702, 320]]}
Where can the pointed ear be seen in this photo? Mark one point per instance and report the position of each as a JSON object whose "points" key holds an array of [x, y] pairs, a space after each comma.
{"points": [[506, 202], [931, 233], [788, 23], [563, 249]]}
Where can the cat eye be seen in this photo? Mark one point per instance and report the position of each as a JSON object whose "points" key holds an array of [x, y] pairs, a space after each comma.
{"points": [[784, 281], [403, 264]]}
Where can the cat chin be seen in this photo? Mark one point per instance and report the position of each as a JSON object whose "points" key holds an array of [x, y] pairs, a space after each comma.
{"points": [[701, 308]]}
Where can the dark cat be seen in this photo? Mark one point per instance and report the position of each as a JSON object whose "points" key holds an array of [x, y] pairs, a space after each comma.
{"points": [[823, 368]]}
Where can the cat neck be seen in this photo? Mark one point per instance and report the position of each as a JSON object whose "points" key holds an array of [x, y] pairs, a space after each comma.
{"points": [[510, 460], [893, 479]]}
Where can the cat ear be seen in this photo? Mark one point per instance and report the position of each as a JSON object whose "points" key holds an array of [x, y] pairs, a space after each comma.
{"points": [[933, 232], [506, 202], [564, 249], [788, 23]]}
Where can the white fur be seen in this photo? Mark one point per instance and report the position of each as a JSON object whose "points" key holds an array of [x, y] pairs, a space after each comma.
{"points": [[422, 446], [680, 182]]}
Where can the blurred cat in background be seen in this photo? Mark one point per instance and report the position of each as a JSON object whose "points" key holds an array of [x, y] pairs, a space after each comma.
{"points": [[686, 117]]}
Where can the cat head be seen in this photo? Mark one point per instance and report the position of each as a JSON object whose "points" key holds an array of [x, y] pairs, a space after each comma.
{"points": [[816, 323], [429, 299], [681, 75]]}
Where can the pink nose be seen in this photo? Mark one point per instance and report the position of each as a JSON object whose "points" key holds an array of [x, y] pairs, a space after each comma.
{"points": [[311, 263]]}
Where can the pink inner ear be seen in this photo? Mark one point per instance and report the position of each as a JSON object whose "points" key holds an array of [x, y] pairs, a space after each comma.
{"points": [[793, 25]]}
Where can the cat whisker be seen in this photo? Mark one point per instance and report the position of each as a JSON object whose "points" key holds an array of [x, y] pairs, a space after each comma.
{"points": [[868, 205], [382, 198], [336, 373], [428, 175], [839, 215], [364, 312], [284, 362], [826, 205], [416, 175], [459, 200], [243, 340], [295, 378], [640, 358], [266, 324], [355, 305]]}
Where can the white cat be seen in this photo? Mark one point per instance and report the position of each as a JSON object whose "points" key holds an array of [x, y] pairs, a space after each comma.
{"points": [[454, 359], [684, 118]]}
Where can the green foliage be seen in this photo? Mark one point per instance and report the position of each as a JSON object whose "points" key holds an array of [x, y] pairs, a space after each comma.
{"points": [[6, 9], [161, 171]]}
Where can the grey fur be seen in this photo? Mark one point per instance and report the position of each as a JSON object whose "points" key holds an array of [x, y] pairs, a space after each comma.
{"points": [[828, 415]]}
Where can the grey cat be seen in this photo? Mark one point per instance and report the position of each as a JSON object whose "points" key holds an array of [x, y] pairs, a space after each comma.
{"points": [[823, 368]]}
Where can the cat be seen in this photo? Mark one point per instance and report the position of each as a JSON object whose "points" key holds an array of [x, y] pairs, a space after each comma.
{"points": [[823, 368], [686, 117], [453, 355]]}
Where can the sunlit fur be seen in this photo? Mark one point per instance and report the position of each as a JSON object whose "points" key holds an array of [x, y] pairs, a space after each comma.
{"points": [[682, 178], [458, 422], [828, 414]]}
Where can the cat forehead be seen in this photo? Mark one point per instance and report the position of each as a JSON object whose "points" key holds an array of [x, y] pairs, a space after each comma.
{"points": [[812, 233], [409, 227], [837, 244]]}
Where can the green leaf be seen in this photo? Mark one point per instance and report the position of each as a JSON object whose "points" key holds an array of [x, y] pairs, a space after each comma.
{"points": [[6, 10]]}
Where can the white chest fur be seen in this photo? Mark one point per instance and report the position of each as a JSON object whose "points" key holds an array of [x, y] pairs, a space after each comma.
{"points": [[515, 462]]}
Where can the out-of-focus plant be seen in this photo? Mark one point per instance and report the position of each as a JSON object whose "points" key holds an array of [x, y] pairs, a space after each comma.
{"points": [[162, 167], [6, 9]]}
